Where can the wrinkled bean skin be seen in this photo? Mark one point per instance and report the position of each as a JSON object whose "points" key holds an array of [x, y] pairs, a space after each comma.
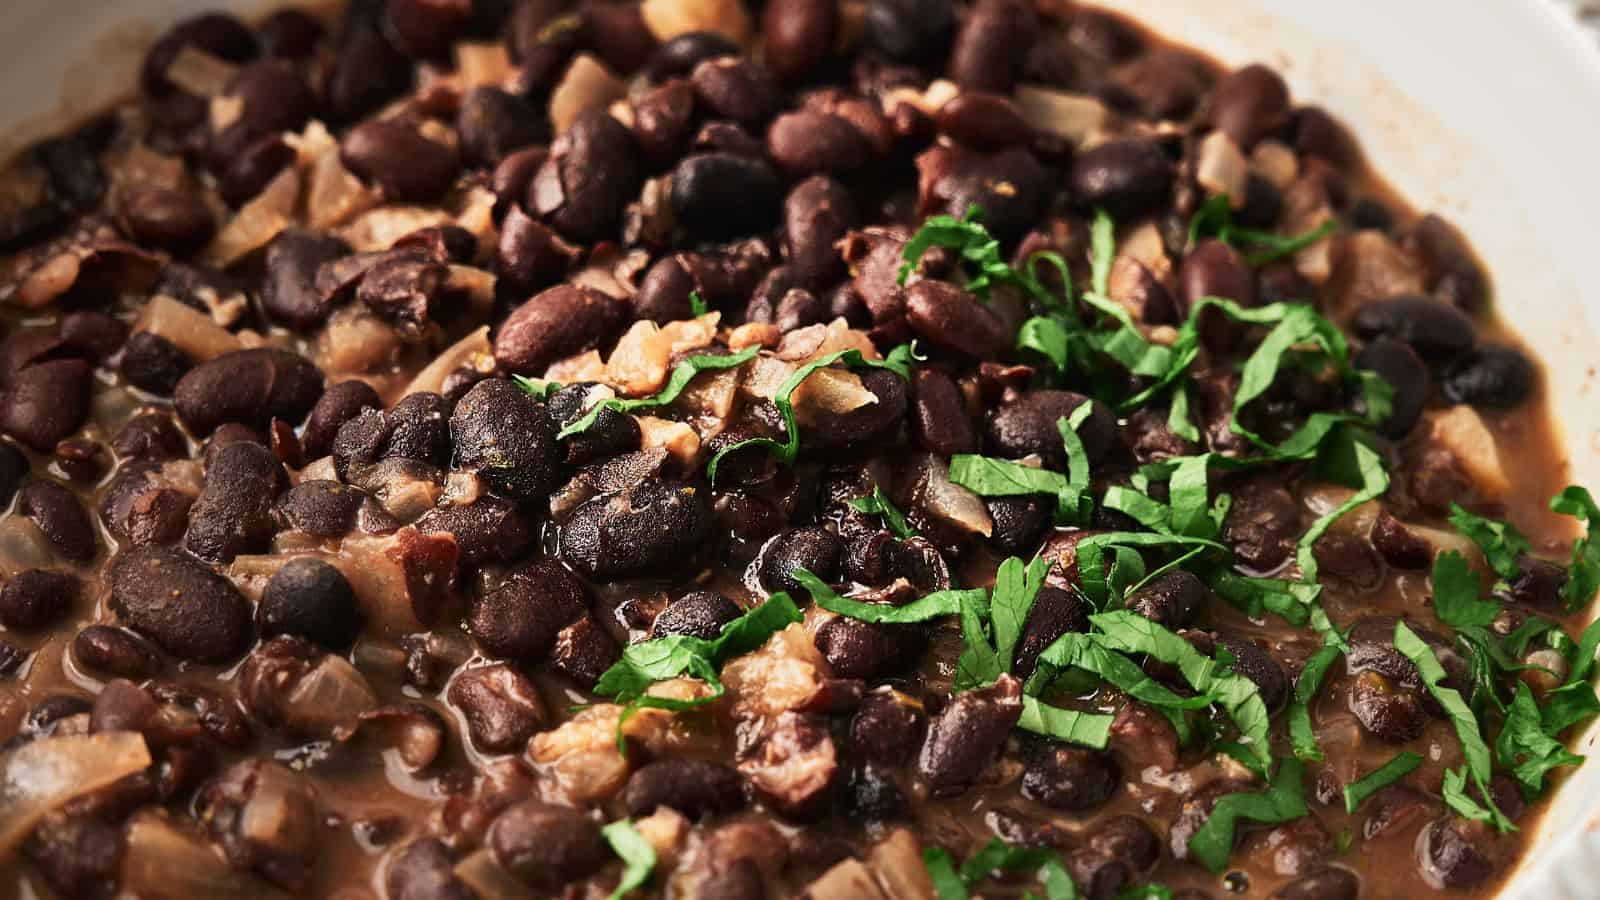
{"points": [[1054, 613], [488, 530], [250, 387], [36, 598], [1435, 330], [592, 172], [424, 870], [816, 550], [1263, 525], [856, 649], [1326, 884], [562, 321], [609, 434], [652, 527], [1069, 778], [545, 846], [888, 727], [1490, 377], [700, 614], [233, 514], [154, 364], [1028, 425], [520, 619], [508, 438], [188, 610], [797, 35], [1171, 599], [1257, 665], [695, 788], [501, 705], [337, 405], [311, 599], [115, 652], [964, 738], [1249, 104], [1019, 523]]}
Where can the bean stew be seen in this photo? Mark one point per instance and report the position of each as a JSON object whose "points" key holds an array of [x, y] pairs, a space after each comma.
{"points": [[882, 449]]}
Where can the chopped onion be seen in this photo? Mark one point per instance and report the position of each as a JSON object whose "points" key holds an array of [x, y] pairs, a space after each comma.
{"points": [[587, 85], [586, 366], [195, 333], [488, 879], [331, 695], [898, 861], [483, 63], [950, 502], [830, 392], [199, 73], [676, 438], [1071, 116], [849, 880], [1274, 161], [162, 861], [261, 220], [472, 352], [377, 229], [667, 19], [1222, 169], [43, 774], [1462, 431], [638, 366]]}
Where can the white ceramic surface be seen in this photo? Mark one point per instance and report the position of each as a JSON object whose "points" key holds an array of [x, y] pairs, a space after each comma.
{"points": [[1485, 110]]}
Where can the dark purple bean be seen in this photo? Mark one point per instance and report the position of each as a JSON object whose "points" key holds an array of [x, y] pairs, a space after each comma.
{"points": [[983, 122], [501, 705], [115, 652], [252, 168], [327, 510], [560, 322], [521, 618], [233, 805], [249, 387], [1457, 854], [367, 73], [677, 57], [1263, 525], [1068, 778], [808, 142], [652, 527], [46, 402], [290, 294], [953, 319], [816, 215], [1249, 104], [188, 610], [1490, 377], [337, 405], [888, 727], [867, 651], [36, 598], [1214, 269], [1127, 838], [217, 34], [1019, 523], [737, 88], [269, 98], [584, 651], [992, 45], [1012, 187], [723, 196], [311, 599], [967, 735], [546, 846], [609, 434], [407, 166], [1400, 366], [493, 124], [1257, 665], [700, 614], [1054, 613], [289, 34], [870, 794], [1129, 178], [508, 439], [1454, 275], [61, 518], [233, 514], [424, 870], [695, 788], [1170, 600], [427, 28], [1537, 584], [1028, 425], [798, 35], [592, 172], [167, 219], [910, 31], [530, 256], [941, 420], [487, 530], [152, 363], [1099, 875], [816, 550], [512, 176], [1436, 330]]}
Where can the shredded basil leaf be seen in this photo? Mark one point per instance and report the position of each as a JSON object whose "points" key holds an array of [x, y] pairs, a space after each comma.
{"points": [[947, 885], [1086, 652], [1421, 655], [997, 856], [637, 855], [1454, 792], [697, 304], [898, 361], [1301, 734], [1456, 599], [878, 504], [1015, 588], [537, 388], [1147, 892], [1283, 801], [932, 606], [1374, 481], [977, 250], [1357, 792], [1215, 218], [1500, 542], [1583, 577], [683, 373], [1088, 729], [979, 664]]}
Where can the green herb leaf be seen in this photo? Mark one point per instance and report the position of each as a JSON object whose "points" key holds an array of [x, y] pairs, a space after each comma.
{"points": [[1421, 655], [1283, 801], [1147, 892], [683, 373], [1583, 576], [1129, 632], [1102, 584], [1292, 601], [997, 856], [647, 662], [975, 248], [697, 304], [1374, 481], [1500, 542], [1015, 587], [1048, 337], [1456, 599], [1086, 652], [1102, 252], [1525, 748], [1301, 734], [1088, 729], [878, 504], [979, 664], [947, 885], [1455, 795], [537, 388], [637, 854], [1395, 769], [1215, 218], [898, 361], [987, 476], [933, 606], [1516, 643]]}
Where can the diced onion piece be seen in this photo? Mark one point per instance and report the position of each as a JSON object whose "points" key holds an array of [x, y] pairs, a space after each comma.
{"points": [[666, 830], [638, 366], [1306, 208], [586, 366], [691, 334], [336, 195], [830, 392], [816, 341], [199, 73], [43, 774], [488, 879], [477, 216], [898, 861], [189, 329], [482, 63], [1323, 499], [1070, 116], [355, 341], [49, 280], [849, 880], [377, 229], [766, 376], [162, 861], [713, 394], [587, 85], [471, 352], [676, 438], [332, 694], [667, 19], [1145, 246], [929, 100], [23, 546], [261, 220], [1461, 430], [762, 334], [946, 500], [1222, 169], [1274, 161], [1370, 267]]}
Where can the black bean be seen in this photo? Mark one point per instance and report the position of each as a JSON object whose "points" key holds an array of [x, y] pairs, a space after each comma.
{"points": [[1127, 838], [289, 34], [1019, 523], [868, 651], [521, 618], [46, 402], [1129, 178], [530, 256], [115, 652], [1214, 269], [250, 387], [1028, 425], [400, 160], [650, 528], [139, 507], [367, 73], [1490, 377], [1171, 599], [874, 423], [493, 123], [37, 598], [1249, 104], [808, 142], [427, 28], [941, 420], [817, 550], [1454, 853], [1537, 584], [1099, 875], [188, 610], [1054, 613], [253, 168], [870, 794], [268, 98], [721, 195], [560, 322], [678, 56], [424, 870], [1400, 366], [546, 846], [817, 214], [888, 727], [512, 176], [487, 530], [953, 319], [592, 173], [967, 734], [609, 434], [1331, 883], [61, 518], [911, 31], [234, 512], [1454, 275], [1263, 524], [992, 45], [508, 439], [1068, 778], [337, 405], [231, 807], [1436, 330], [700, 614], [322, 509], [168, 219], [501, 706], [311, 599], [584, 651], [695, 788], [1011, 186], [152, 363], [419, 428], [289, 293], [150, 436], [736, 88]]}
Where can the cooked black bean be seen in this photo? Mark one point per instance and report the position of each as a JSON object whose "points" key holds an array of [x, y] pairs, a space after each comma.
{"points": [[289, 294], [250, 387], [678, 56], [501, 705], [1490, 377], [1019, 523], [1400, 366], [1454, 275], [1249, 104], [187, 609], [487, 530], [1263, 524], [1054, 613], [521, 618], [1538, 583], [992, 45], [1028, 425], [405, 164], [875, 423], [61, 518], [493, 123], [337, 405], [217, 34], [1436, 330], [611, 432], [856, 649], [562, 321], [953, 319], [888, 727], [508, 438], [964, 738], [311, 599], [695, 788], [807, 142], [815, 549], [653, 527], [37, 598], [1128, 178], [1257, 665], [546, 846], [737, 88], [424, 870], [1455, 853], [1129, 839], [1214, 269], [721, 195], [266, 98], [115, 652], [289, 34], [171, 220], [941, 420], [700, 614], [45, 402], [234, 512], [797, 35], [1011, 186], [591, 174], [1068, 778], [152, 363], [584, 651], [232, 806]]}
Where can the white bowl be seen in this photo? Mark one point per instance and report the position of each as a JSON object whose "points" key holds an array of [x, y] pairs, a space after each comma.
{"points": [[1486, 111]]}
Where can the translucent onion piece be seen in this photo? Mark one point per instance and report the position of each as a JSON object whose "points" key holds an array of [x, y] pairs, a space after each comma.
{"points": [[488, 879], [44, 774], [162, 861], [189, 329], [472, 351]]}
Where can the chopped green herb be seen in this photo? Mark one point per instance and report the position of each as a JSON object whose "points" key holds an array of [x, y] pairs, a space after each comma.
{"points": [[979, 664], [1215, 218], [1102, 252], [1456, 588], [683, 373], [990, 477], [1292, 601], [1516, 643], [997, 856], [976, 249], [1015, 588], [1301, 735], [878, 504], [1395, 769], [1147, 892], [637, 855], [1500, 542], [933, 606], [1421, 655], [537, 388], [1283, 801], [1048, 337], [947, 884], [1103, 585], [898, 361], [1525, 748], [1373, 481], [1089, 729], [697, 304], [1087, 652], [1583, 577], [1454, 791]]}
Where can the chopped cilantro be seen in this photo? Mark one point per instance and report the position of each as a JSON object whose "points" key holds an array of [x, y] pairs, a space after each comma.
{"points": [[1456, 588], [933, 606], [1500, 542], [537, 388], [1455, 790], [997, 856], [1583, 577], [1283, 801], [637, 855], [697, 304], [878, 504], [1215, 219], [1357, 792], [1301, 734], [683, 373], [1525, 748]]}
